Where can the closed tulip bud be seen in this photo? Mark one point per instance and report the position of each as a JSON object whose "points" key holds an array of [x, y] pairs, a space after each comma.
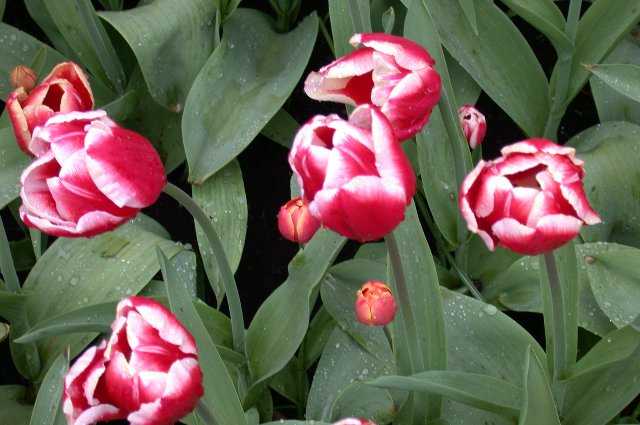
{"points": [[474, 125], [23, 76], [354, 421], [295, 222], [375, 305], [531, 200]]}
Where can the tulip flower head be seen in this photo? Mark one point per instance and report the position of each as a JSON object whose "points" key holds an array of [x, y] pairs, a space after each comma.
{"points": [[375, 305], [530, 200], [354, 174], [92, 177], [390, 72], [474, 125], [148, 373], [295, 222], [354, 421], [65, 89]]}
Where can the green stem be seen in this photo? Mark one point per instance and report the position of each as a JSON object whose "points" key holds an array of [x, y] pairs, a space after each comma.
{"points": [[558, 340], [465, 279], [205, 414], [233, 298], [560, 93], [7, 267]]}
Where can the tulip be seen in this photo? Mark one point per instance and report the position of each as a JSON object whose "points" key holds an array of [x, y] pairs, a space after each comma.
{"points": [[354, 174], [295, 222], [354, 421], [391, 72], [375, 305], [474, 125], [65, 89], [23, 76], [93, 177], [148, 373], [531, 200]]}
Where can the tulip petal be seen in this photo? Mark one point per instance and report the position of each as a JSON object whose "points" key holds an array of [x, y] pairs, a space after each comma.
{"points": [[19, 120], [121, 385], [71, 72], [514, 235], [100, 413], [152, 385], [574, 194], [522, 201], [124, 165], [407, 53]]}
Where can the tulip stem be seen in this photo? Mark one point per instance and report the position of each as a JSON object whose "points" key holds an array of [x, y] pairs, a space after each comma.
{"points": [[205, 414], [465, 279], [7, 267], [233, 298]]}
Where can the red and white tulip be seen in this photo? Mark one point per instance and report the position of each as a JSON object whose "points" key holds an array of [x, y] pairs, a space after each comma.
{"points": [[474, 125], [393, 73], [530, 200], [92, 176], [148, 373], [354, 174]]}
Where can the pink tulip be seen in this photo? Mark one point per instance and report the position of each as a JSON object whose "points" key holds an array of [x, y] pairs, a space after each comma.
{"points": [[295, 222], [531, 200], [474, 125], [354, 421], [92, 176], [354, 174], [391, 72], [65, 89], [148, 374], [375, 304]]}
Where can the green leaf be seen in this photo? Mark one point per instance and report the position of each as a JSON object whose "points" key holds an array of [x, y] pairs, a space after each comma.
{"points": [[292, 383], [241, 87], [612, 105], [74, 273], [15, 412], [623, 78], [271, 341], [3, 4], [171, 40], [545, 16], [7, 267], [538, 405], [283, 422], [320, 330], [388, 20], [616, 346], [47, 402], [19, 48], [479, 391], [510, 75], [469, 9], [223, 199], [12, 162], [281, 128], [4, 331], [482, 264], [597, 397], [220, 396], [332, 382], [347, 18], [611, 154], [39, 13], [81, 28]]}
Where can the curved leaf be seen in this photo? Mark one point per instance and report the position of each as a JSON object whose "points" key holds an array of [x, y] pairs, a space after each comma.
{"points": [[347, 18], [47, 402], [623, 78], [171, 40], [241, 87], [12, 162], [538, 405]]}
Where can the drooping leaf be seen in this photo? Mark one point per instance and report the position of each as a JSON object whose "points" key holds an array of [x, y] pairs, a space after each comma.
{"points": [[538, 405], [271, 341], [223, 199], [171, 40], [623, 78], [241, 87], [47, 402], [546, 17], [610, 152], [220, 396], [348, 17]]}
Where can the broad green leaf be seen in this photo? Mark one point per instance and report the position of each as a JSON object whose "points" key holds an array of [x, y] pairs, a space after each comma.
{"points": [[597, 397], [241, 87], [292, 383], [15, 412], [600, 29], [281, 128], [612, 105], [38, 11], [545, 16], [480, 391], [343, 367], [611, 153], [171, 40], [511, 74], [74, 273], [623, 78], [223, 199], [283, 422], [616, 346], [19, 48], [271, 341], [81, 28], [7, 266], [482, 264], [123, 107], [320, 330], [220, 396], [469, 9], [538, 405], [347, 18], [48, 402], [12, 162], [112, 4], [12, 392], [518, 289], [3, 4]]}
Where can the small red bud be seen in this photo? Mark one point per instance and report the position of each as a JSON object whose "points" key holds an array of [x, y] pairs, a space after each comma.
{"points": [[474, 125], [295, 222], [375, 305], [23, 76]]}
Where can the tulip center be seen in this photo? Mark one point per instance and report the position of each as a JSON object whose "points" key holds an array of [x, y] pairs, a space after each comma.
{"points": [[527, 178]]}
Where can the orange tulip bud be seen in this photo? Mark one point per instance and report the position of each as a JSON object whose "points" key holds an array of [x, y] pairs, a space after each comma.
{"points": [[23, 76], [375, 305], [295, 222]]}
